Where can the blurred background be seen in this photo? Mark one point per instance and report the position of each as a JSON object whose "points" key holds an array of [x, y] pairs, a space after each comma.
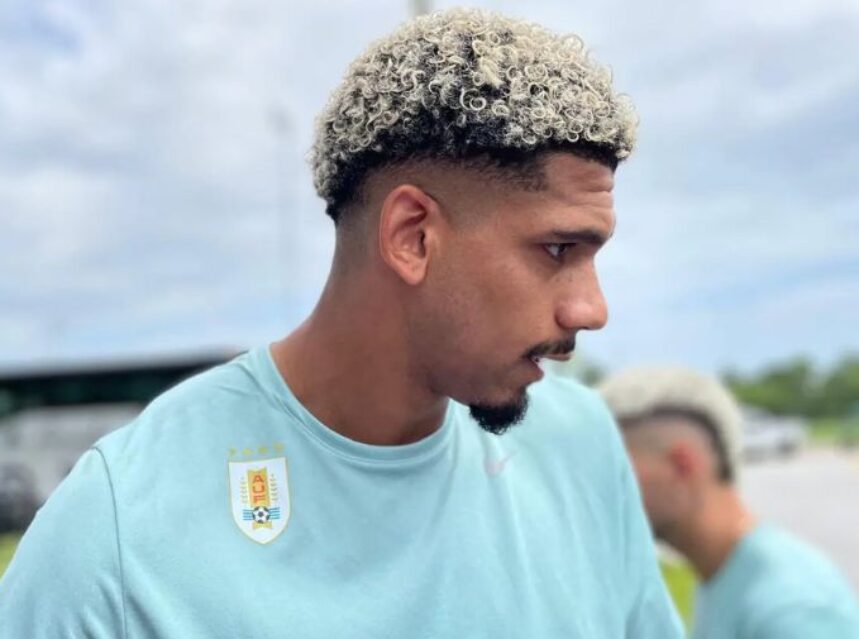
{"points": [[158, 216]]}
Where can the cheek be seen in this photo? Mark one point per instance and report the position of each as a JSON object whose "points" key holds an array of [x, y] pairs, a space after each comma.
{"points": [[509, 304], [649, 489], [493, 262], [484, 308], [449, 328], [464, 349], [657, 491], [467, 299], [669, 500]]}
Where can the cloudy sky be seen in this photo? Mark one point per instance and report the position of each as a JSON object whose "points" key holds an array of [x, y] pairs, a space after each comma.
{"points": [[155, 198]]}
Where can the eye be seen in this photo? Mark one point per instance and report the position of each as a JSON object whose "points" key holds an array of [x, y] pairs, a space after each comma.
{"points": [[557, 250]]}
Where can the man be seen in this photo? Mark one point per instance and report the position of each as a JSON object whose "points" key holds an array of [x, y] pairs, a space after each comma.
{"points": [[328, 486], [682, 430]]}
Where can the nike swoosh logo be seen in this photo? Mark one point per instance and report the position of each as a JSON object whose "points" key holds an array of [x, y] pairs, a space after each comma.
{"points": [[496, 466]]}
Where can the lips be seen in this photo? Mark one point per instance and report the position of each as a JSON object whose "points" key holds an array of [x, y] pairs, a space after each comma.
{"points": [[558, 357], [536, 369]]}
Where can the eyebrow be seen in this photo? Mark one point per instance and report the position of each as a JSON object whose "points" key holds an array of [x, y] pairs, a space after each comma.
{"points": [[594, 237]]}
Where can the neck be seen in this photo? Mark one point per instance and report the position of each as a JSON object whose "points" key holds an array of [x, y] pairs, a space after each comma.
{"points": [[350, 366], [711, 535]]}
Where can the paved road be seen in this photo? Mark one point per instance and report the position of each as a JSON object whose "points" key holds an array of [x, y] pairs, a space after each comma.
{"points": [[814, 494]]}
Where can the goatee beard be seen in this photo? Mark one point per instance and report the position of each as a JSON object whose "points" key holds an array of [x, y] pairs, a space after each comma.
{"points": [[498, 418]]}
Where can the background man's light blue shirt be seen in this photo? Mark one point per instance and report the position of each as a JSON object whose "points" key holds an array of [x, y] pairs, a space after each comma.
{"points": [[775, 586], [538, 533]]}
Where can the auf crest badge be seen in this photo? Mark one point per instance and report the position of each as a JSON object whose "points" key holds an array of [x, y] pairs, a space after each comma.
{"points": [[259, 497]]}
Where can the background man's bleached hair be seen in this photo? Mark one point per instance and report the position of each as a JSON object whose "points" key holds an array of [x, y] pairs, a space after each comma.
{"points": [[467, 84], [638, 394]]}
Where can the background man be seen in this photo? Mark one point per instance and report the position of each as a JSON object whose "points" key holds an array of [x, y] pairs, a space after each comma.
{"points": [[327, 486], [682, 430]]}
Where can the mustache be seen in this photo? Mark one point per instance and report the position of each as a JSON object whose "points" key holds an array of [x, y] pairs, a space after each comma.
{"points": [[553, 348]]}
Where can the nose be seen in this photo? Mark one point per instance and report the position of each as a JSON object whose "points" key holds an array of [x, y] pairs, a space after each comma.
{"points": [[582, 304]]}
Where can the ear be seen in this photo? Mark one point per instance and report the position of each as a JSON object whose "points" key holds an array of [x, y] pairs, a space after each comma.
{"points": [[406, 231], [684, 459]]}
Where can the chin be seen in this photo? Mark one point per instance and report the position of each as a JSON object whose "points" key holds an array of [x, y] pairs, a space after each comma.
{"points": [[660, 532], [498, 417]]}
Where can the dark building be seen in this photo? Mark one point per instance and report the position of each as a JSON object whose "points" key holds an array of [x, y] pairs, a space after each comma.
{"points": [[49, 417]]}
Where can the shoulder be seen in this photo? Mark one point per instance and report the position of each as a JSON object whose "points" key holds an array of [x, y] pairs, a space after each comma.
{"points": [[578, 438], [572, 446], [188, 432], [200, 406], [220, 387], [793, 579], [795, 566]]}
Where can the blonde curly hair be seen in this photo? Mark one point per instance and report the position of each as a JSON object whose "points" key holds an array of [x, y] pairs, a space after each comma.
{"points": [[462, 84]]}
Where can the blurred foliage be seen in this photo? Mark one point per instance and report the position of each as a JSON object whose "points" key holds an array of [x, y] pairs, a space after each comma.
{"points": [[681, 584], [8, 543], [795, 387], [835, 430]]}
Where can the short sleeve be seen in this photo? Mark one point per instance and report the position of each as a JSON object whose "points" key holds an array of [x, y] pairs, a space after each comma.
{"points": [[65, 579]]}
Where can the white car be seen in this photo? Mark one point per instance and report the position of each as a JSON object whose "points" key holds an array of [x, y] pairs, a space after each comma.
{"points": [[767, 435]]}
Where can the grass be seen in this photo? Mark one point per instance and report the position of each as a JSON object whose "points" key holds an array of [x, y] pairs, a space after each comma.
{"points": [[8, 543], [681, 584]]}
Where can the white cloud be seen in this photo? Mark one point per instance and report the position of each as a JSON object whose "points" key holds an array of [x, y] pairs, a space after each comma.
{"points": [[150, 200]]}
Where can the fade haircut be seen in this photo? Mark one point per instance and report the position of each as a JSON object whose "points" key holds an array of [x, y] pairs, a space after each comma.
{"points": [[472, 87], [638, 395]]}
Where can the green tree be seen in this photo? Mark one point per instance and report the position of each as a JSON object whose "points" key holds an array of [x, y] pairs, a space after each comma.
{"points": [[839, 392], [794, 387], [788, 388]]}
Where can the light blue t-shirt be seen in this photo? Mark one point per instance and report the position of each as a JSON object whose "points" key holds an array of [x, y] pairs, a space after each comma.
{"points": [[775, 586], [227, 510]]}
